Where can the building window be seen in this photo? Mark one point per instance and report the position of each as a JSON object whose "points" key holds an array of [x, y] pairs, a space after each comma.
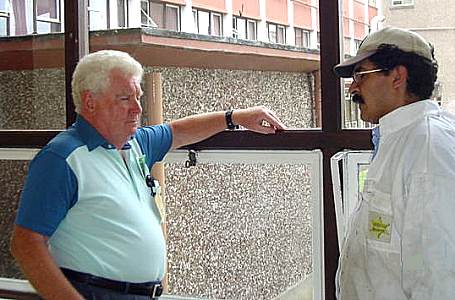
{"points": [[207, 22], [47, 16], [244, 28], [398, 3], [302, 38], [277, 33], [122, 13], [357, 44], [437, 92], [251, 30], [4, 18], [97, 15], [351, 110], [161, 15], [347, 46]]}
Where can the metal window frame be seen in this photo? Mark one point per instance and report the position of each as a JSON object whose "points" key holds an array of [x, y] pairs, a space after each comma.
{"points": [[6, 15], [330, 138]]}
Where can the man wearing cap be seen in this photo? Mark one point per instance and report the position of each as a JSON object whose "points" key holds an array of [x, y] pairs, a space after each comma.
{"points": [[400, 243]]}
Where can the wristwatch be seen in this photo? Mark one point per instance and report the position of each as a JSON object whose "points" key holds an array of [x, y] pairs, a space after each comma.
{"points": [[228, 117]]}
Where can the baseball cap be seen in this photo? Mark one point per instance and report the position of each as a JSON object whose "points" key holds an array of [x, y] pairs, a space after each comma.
{"points": [[405, 40]]}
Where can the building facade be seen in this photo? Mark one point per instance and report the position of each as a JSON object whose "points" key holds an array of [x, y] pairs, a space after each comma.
{"points": [[435, 22]]}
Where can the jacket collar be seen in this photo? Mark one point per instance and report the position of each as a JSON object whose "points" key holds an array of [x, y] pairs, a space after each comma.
{"points": [[406, 115], [91, 137]]}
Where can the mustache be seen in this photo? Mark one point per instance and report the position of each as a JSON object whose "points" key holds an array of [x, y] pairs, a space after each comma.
{"points": [[356, 98]]}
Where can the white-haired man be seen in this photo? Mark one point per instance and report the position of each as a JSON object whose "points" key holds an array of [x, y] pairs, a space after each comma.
{"points": [[87, 225], [400, 242]]}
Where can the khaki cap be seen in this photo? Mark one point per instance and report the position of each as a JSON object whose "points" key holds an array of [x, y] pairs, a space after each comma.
{"points": [[405, 40]]}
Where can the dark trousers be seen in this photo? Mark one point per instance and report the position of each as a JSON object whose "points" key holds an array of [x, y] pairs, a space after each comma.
{"points": [[90, 292]]}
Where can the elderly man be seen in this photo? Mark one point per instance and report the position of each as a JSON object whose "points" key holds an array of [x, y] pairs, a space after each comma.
{"points": [[88, 226], [400, 243]]}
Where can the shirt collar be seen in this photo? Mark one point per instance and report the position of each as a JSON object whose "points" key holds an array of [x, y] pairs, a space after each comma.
{"points": [[406, 115], [91, 137]]}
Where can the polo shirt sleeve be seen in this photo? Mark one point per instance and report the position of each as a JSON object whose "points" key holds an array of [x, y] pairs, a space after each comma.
{"points": [[49, 192], [155, 142]]}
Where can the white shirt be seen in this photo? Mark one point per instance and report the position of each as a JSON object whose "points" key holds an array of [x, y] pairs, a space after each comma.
{"points": [[400, 242]]}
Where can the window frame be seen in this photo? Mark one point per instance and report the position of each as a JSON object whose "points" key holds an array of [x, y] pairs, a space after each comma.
{"points": [[165, 6], [303, 32], [248, 21], [57, 22]]}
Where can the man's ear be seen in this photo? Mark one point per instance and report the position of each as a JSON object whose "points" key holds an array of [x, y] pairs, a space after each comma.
{"points": [[400, 76], [88, 103]]}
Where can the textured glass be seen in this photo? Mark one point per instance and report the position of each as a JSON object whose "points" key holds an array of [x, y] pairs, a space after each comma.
{"points": [[12, 177], [32, 99], [238, 231]]}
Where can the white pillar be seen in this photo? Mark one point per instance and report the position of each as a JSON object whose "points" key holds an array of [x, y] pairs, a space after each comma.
{"points": [[314, 24], [290, 32], [352, 49], [227, 19], [134, 13], [187, 18], [262, 24]]}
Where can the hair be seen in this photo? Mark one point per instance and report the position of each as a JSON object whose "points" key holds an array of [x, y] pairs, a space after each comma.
{"points": [[422, 73], [93, 71]]}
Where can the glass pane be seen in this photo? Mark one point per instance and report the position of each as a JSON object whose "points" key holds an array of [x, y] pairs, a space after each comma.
{"points": [[252, 30], [230, 224], [172, 18], [204, 22], [241, 28], [280, 37], [272, 33], [3, 5], [145, 13], [157, 11], [183, 87], [121, 15], [97, 14], [3, 26], [298, 37], [47, 9], [216, 25]]}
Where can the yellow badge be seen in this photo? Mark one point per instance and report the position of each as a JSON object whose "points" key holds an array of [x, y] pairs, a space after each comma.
{"points": [[379, 226]]}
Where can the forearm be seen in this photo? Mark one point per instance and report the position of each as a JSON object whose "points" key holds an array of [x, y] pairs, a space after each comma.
{"points": [[196, 128], [32, 255]]}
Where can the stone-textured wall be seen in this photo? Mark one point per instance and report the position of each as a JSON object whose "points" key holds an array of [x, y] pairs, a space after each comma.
{"points": [[32, 99], [240, 232]]}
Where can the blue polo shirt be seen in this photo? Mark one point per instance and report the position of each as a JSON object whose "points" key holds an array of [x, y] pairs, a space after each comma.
{"points": [[94, 206]]}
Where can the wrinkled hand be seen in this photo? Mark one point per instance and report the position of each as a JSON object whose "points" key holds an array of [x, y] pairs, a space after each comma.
{"points": [[258, 119]]}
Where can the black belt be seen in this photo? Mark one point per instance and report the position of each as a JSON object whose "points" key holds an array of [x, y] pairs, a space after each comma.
{"points": [[152, 289]]}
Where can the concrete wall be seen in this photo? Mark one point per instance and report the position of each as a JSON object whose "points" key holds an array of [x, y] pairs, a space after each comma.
{"points": [[434, 21]]}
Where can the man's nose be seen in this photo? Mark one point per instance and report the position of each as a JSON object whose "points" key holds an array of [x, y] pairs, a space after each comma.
{"points": [[136, 106], [354, 87]]}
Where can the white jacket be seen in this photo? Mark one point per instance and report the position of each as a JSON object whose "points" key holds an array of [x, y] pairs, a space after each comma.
{"points": [[400, 242]]}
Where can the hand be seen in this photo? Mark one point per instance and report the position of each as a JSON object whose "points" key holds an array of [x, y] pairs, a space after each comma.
{"points": [[258, 119]]}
